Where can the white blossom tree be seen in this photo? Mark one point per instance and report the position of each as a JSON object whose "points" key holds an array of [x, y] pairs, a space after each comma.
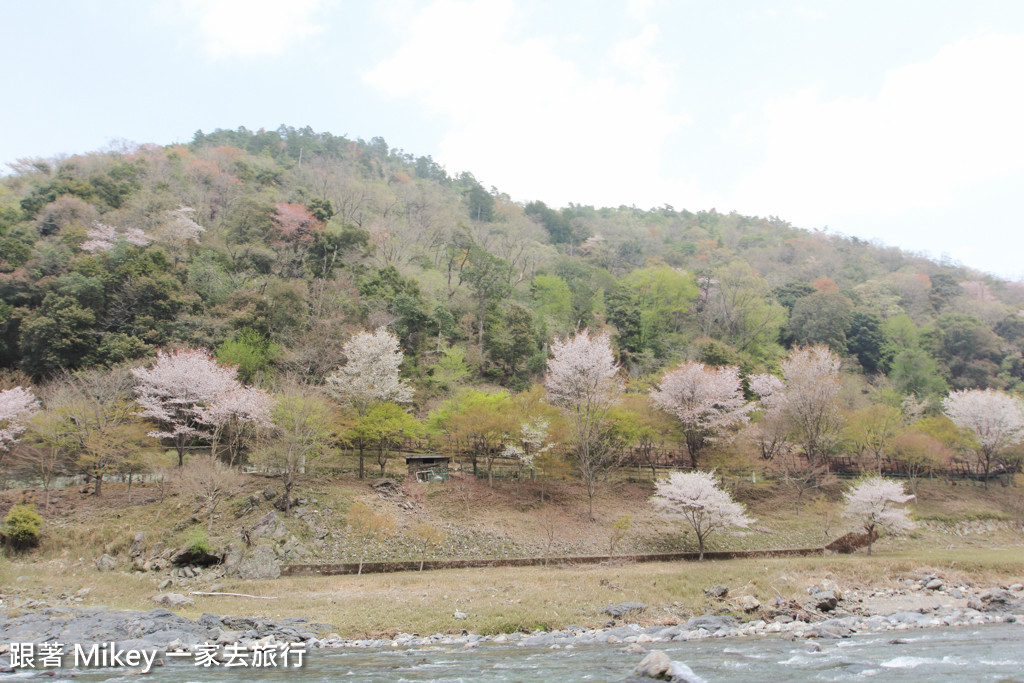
{"points": [[178, 390], [705, 400], [236, 417], [369, 376], [877, 503], [583, 380], [696, 498], [16, 406], [103, 237], [806, 400], [996, 420]]}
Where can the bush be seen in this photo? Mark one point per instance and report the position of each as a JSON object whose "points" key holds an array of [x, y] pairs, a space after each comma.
{"points": [[198, 543], [21, 527]]}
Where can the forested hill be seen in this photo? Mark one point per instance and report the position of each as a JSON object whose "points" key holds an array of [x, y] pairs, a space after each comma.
{"points": [[272, 247]]}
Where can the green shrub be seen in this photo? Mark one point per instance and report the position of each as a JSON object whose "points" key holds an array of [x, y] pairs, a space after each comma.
{"points": [[21, 527], [198, 543]]}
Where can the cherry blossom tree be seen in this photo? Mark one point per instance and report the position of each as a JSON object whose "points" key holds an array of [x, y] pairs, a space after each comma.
{"points": [[705, 400], [876, 503], [103, 237], [180, 226], [369, 376], [178, 391], [806, 400], [996, 420], [237, 416], [583, 380], [16, 406], [696, 498]]}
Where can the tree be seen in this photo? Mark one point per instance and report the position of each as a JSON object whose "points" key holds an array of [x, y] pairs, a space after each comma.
{"points": [[696, 498], [873, 503], [210, 482], [176, 392], [706, 401], [367, 525], [583, 380], [387, 425], [16, 406], [806, 400], [996, 420], [239, 416], [50, 434], [426, 535], [477, 423], [873, 429], [103, 431], [302, 430], [370, 375]]}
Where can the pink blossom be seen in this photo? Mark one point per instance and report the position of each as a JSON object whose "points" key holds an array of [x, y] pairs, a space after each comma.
{"points": [[696, 498], [16, 405]]}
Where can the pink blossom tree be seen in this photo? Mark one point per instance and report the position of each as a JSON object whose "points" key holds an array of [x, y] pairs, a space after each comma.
{"points": [[707, 401], [806, 400], [996, 420], [369, 376], [237, 416], [696, 498], [583, 380], [876, 503], [178, 390]]}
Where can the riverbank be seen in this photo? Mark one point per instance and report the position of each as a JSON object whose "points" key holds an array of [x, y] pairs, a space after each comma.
{"points": [[780, 593]]}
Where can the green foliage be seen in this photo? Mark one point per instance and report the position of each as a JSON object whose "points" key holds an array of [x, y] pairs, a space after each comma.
{"points": [[198, 543], [250, 351], [21, 526]]}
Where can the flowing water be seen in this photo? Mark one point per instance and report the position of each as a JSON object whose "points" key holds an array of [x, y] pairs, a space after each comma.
{"points": [[980, 653]]}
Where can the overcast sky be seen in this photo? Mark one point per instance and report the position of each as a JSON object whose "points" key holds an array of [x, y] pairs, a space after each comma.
{"points": [[901, 121]]}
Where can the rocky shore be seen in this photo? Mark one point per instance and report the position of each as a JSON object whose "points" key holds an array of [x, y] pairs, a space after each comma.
{"points": [[827, 613]]}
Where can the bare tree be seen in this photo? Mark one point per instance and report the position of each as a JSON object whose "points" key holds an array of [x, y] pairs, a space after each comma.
{"points": [[209, 482]]}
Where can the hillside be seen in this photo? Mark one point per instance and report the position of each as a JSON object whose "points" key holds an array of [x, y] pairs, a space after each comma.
{"points": [[274, 246]]}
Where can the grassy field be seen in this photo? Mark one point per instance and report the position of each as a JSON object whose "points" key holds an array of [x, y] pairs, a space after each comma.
{"points": [[968, 534]]}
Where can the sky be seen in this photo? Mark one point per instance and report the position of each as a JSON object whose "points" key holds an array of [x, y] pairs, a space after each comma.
{"points": [[901, 122]]}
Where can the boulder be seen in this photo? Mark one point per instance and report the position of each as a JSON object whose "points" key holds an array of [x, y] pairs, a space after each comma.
{"points": [[657, 666], [267, 525], [718, 592], [934, 585], [749, 603], [232, 558], [137, 543], [710, 623], [824, 601], [106, 563], [173, 600], [262, 563]]}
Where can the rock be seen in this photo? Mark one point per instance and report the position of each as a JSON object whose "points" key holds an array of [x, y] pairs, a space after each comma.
{"points": [[623, 608], [173, 600], [824, 601], [267, 525], [137, 541], [269, 493], [718, 592], [749, 603], [812, 646], [934, 584], [106, 563], [832, 588], [710, 622], [165, 584], [634, 649], [1017, 587], [655, 665], [186, 557], [233, 558], [459, 615], [261, 564]]}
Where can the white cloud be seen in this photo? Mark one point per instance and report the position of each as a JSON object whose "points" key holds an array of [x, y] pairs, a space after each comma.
{"points": [[251, 28], [530, 121], [933, 131]]}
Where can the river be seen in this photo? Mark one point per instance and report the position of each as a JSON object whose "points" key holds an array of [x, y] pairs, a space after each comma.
{"points": [[993, 652]]}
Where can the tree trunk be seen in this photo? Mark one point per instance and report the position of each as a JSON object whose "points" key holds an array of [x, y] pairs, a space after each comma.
{"points": [[98, 491], [362, 550], [361, 448], [130, 475]]}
